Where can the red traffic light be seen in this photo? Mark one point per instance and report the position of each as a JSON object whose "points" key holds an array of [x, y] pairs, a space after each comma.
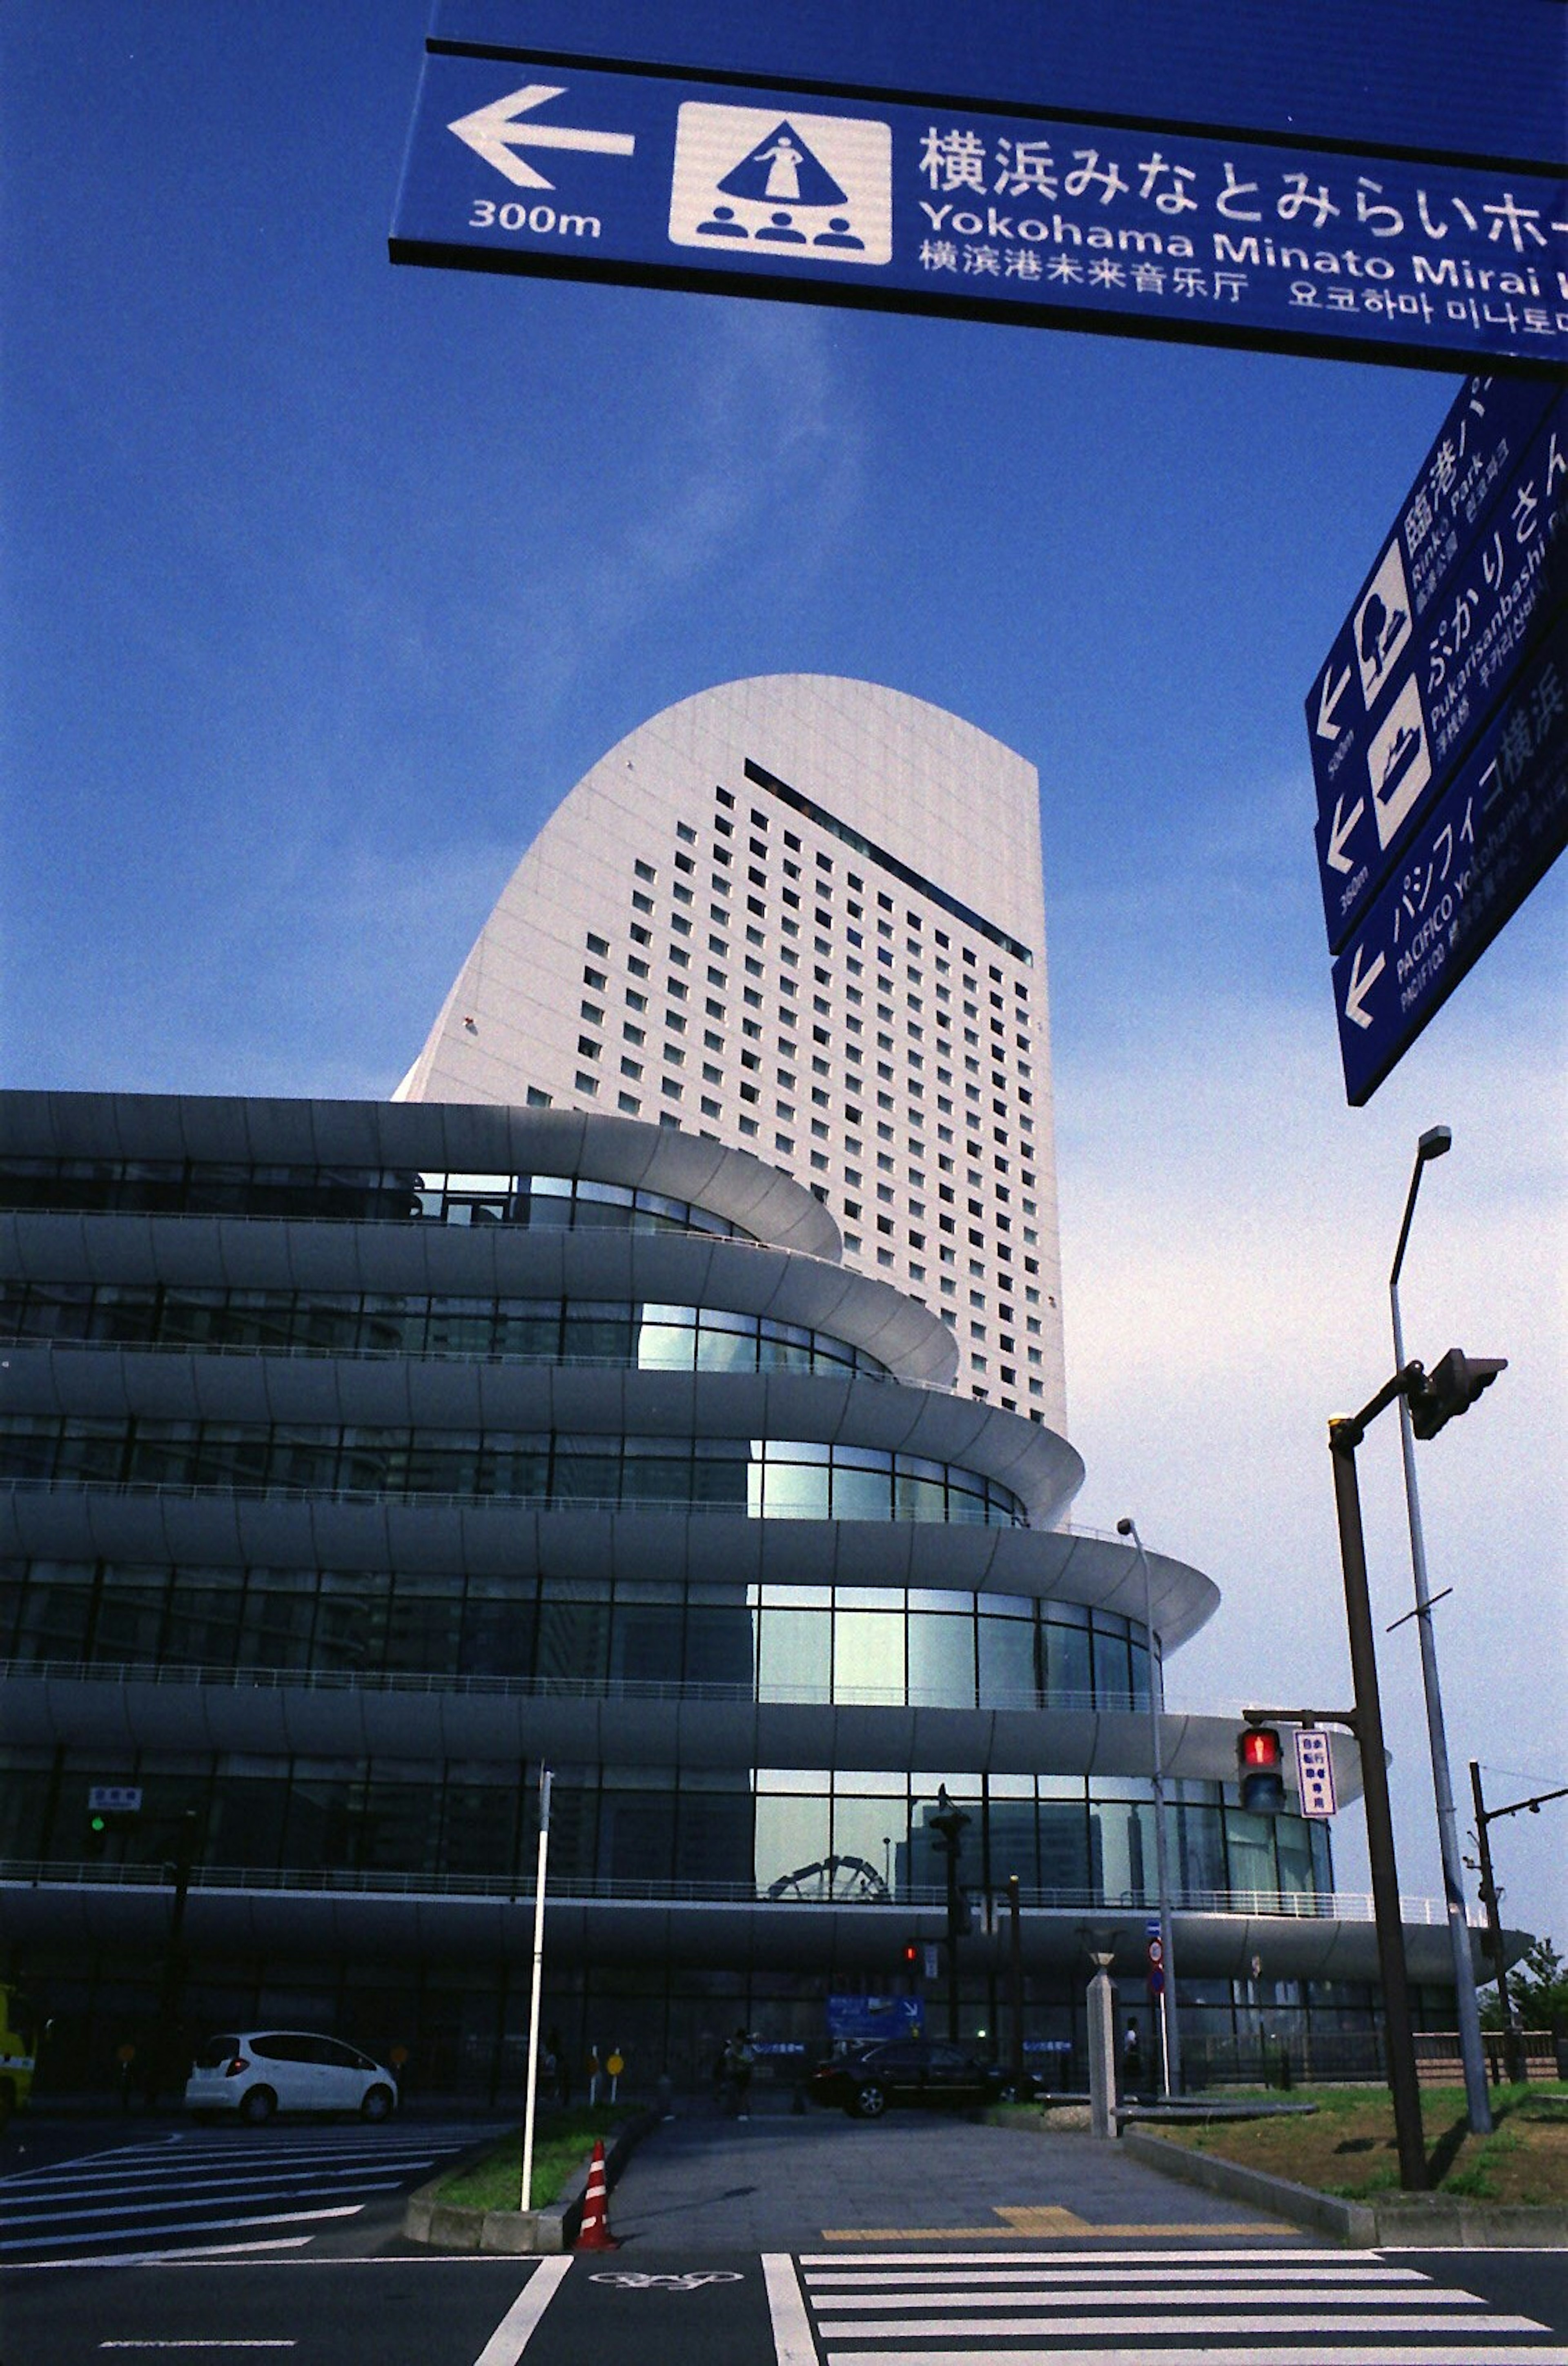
{"points": [[911, 1953], [1260, 1761], [1452, 1389]]}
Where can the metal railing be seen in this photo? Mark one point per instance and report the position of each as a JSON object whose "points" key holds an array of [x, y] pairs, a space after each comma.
{"points": [[566, 1688], [682, 1507], [1307, 1905]]}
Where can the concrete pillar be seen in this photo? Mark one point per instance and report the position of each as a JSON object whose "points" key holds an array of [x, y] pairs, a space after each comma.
{"points": [[1101, 2050]]}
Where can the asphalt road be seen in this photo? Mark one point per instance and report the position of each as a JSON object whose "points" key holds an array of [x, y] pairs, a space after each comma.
{"points": [[922, 2242], [1019, 2307]]}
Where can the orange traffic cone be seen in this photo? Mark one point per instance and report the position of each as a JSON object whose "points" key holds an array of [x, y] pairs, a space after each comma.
{"points": [[594, 2235]]}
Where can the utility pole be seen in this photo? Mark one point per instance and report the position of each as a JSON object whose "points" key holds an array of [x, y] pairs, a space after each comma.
{"points": [[949, 1822], [1435, 1144], [1344, 1436], [1513, 2060], [1015, 1977]]}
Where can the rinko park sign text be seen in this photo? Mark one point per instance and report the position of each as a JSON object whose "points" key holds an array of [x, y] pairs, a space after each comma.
{"points": [[603, 167]]}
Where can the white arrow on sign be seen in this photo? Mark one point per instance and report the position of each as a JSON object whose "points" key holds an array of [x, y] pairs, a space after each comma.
{"points": [[494, 132], [1361, 987], [1339, 831], [1329, 697]]}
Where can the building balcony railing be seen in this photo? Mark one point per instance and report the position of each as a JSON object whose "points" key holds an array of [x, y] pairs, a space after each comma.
{"points": [[956, 1514], [1306, 1905], [563, 1689]]}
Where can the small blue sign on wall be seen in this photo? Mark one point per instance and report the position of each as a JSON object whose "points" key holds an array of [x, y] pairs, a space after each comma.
{"points": [[867, 2020]]}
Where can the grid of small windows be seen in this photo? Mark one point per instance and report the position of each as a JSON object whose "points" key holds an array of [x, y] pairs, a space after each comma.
{"points": [[405, 1323], [857, 1025], [907, 1048], [766, 1479]]}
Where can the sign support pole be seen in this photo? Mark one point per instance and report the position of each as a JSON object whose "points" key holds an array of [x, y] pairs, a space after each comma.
{"points": [[529, 2107]]}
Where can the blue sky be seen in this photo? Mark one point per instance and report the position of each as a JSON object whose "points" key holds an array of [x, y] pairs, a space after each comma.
{"points": [[323, 580]]}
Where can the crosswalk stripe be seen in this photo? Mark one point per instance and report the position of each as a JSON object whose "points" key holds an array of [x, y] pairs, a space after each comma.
{"points": [[1107, 2270], [1165, 2355], [1368, 2292], [1140, 2255], [1174, 2322]]}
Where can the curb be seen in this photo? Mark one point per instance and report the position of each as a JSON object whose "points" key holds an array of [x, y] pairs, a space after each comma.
{"points": [[529, 2233], [1412, 2222]]}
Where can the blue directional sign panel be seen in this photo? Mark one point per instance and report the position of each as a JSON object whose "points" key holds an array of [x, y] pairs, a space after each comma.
{"points": [[1472, 860], [1428, 76], [1464, 586], [943, 208]]}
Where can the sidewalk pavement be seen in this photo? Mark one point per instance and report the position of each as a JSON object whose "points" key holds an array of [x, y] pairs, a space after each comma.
{"points": [[795, 2184]]}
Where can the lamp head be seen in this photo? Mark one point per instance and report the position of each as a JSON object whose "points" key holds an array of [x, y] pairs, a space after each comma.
{"points": [[1435, 1143], [1124, 1527]]}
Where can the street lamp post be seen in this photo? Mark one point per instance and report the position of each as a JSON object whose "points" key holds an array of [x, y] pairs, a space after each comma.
{"points": [[1170, 2042], [1435, 1144]]}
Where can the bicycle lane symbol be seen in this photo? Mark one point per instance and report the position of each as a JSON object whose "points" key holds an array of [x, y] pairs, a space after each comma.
{"points": [[629, 2279]]}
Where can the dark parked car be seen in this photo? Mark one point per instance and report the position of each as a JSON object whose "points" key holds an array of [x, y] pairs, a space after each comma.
{"points": [[918, 2071]]}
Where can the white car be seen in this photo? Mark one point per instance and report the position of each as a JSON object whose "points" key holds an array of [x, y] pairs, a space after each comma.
{"points": [[288, 2070]]}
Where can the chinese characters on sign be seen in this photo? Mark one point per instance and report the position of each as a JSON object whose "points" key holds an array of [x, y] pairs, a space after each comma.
{"points": [[648, 177], [1436, 722], [1315, 1771], [1188, 220], [1468, 866]]}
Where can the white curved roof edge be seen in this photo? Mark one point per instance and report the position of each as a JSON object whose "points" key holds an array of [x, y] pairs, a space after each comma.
{"points": [[478, 1136]]}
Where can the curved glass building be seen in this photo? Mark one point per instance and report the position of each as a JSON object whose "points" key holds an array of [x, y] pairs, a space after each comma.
{"points": [[666, 1388]]}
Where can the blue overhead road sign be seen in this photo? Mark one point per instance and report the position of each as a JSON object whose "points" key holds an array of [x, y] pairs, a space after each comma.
{"points": [[944, 209], [1472, 860], [1442, 625], [1430, 77], [1478, 445]]}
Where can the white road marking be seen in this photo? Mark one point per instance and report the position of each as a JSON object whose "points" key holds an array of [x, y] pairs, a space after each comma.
{"points": [[792, 2343], [1109, 2270], [196, 2255], [199, 2345], [1328, 2305], [197, 2225], [517, 2328], [133, 2209], [1174, 2322], [1250, 2356], [1301, 2255]]}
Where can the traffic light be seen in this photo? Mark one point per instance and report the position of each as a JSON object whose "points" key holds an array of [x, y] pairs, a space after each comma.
{"points": [[1451, 1388], [112, 1808], [1260, 1757], [911, 1955]]}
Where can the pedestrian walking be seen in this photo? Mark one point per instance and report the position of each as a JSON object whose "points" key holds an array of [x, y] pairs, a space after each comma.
{"points": [[740, 2058]]}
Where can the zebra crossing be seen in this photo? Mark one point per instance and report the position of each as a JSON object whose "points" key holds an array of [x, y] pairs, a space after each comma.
{"points": [[1297, 2308], [211, 2193]]}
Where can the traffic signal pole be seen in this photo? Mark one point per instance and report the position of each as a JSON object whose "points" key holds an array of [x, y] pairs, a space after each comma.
{"points": [[1513, 2059], [1344, 1436]]}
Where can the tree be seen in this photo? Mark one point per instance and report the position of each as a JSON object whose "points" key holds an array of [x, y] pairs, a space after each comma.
{"points": [[1539, 1987]]}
